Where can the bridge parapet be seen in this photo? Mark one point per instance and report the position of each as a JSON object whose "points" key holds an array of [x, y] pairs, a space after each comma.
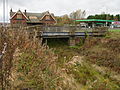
{"points": [[100, 29], [65, 31], [60, 28], [71, 32]]}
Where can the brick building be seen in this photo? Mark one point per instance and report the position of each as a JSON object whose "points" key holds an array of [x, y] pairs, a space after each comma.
{"points": [[25, 18]]}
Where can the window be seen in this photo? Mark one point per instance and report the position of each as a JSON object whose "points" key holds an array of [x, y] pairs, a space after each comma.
{"points": [[19, 16]]}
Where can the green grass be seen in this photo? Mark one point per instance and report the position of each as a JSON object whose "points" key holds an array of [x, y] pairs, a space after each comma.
{"points": [[74, 47], [112, 34], [90, 78], [114, 30], [84, 74]]}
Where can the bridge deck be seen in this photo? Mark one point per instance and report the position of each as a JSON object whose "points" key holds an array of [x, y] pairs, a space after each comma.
{"points": [[69, 34], [54, 31]]}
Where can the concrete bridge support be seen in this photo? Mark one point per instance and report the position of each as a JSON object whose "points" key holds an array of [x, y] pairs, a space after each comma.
{"points": [[72, 41], [76, 40]]}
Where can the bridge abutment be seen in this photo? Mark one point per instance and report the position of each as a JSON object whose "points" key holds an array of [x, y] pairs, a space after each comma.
{"points": [[76, 41], [72, 41]]}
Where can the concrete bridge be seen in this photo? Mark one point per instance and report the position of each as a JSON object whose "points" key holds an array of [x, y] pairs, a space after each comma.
{"points": [[72, 32]]}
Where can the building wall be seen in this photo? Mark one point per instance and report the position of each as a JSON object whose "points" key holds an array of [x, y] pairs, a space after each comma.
{"points": [[15, 21], [48, 20]]}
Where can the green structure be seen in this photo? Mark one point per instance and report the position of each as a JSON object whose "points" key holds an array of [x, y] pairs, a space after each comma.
{"points": [[95, 22]]}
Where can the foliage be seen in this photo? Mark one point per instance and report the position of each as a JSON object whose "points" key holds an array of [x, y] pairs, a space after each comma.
{"points": [[64, 20], [28, 63], [113, 30], [90, 78], [78, 14], [69, 19], [6, 63], [103, 51], [105, 17], [36, 70]]}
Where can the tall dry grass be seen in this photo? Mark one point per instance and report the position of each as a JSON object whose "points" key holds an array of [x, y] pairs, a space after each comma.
{"points": [[27, 63]]}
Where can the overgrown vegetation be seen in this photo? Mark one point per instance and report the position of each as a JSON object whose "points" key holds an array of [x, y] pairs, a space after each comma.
{"points": [[105, 17], [90, 78], [29, 64], [103, 51]]}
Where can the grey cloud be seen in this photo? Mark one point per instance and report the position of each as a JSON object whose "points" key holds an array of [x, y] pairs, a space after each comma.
{"points": [[60, 7]]}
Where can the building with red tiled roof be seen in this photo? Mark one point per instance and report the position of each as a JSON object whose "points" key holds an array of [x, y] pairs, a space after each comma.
{"points": [[20, 18]]}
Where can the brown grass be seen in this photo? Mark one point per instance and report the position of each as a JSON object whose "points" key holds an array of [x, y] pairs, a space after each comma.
{"points": [[27, 63]]}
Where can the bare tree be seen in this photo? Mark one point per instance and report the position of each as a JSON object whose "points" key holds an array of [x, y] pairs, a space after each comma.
{"points": [[78, 14]]}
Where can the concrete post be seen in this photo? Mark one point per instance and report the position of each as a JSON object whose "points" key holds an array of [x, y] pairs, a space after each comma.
{"points": [[72, 41], [77, 40]]}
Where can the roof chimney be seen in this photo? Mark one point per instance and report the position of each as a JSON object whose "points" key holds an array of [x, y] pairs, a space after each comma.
{"points": [[11, 10], [25, 12]]}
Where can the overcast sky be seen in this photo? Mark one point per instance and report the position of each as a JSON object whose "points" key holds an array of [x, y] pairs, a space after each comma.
{"points": [[61, 7]]}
